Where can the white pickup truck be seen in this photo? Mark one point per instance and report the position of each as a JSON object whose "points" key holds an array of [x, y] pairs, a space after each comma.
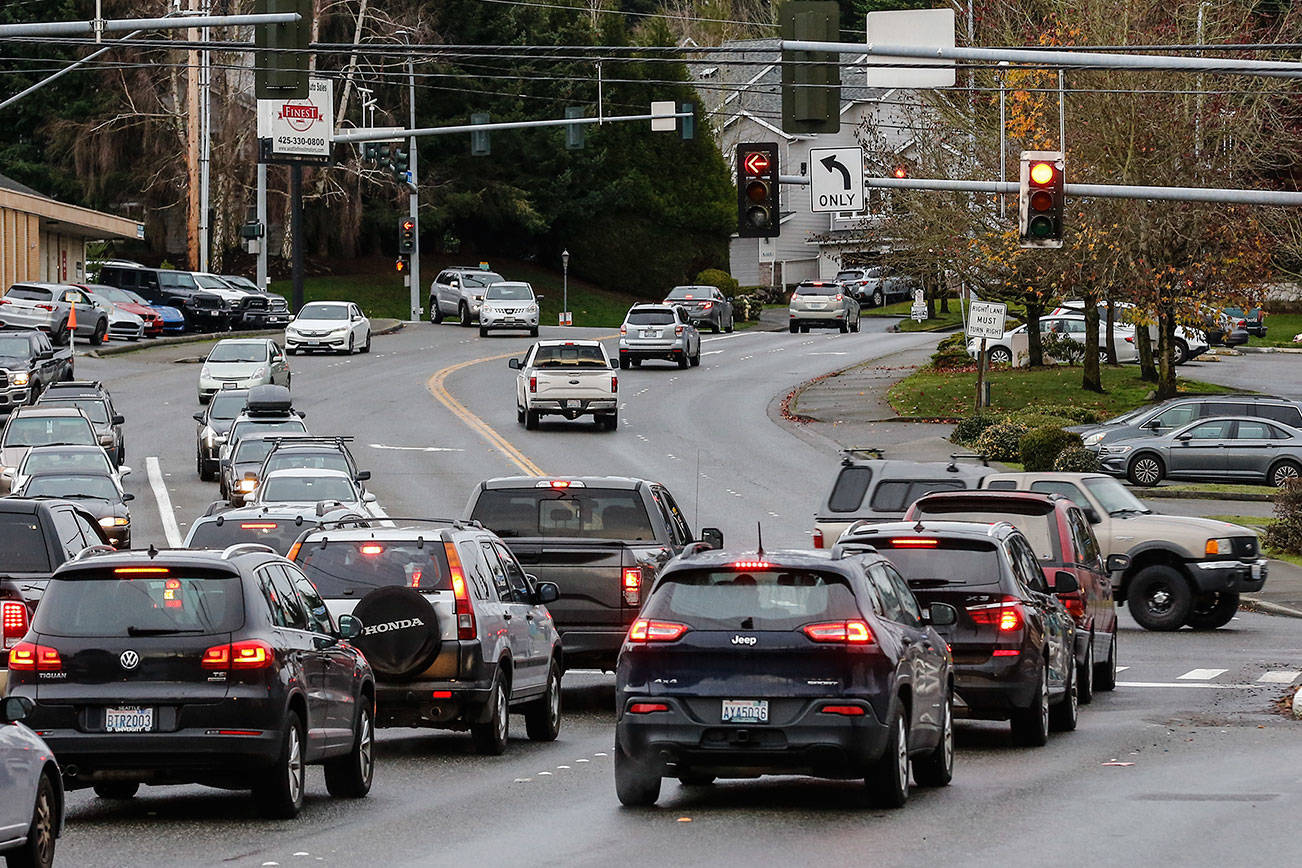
{"points": [[566, 378]]}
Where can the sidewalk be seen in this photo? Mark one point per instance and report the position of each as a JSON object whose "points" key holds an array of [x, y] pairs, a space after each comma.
{"points": [[1282, 594]]}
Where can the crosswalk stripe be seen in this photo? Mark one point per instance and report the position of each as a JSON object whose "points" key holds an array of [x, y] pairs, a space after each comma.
{"points": [[1201, 674], [1122, 668], [1283, 676]]}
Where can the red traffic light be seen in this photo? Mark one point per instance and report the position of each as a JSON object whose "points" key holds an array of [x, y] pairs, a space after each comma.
{"points": [[1042, 173], [400, 266], [408, 225], [901, 172], [756, 163]]}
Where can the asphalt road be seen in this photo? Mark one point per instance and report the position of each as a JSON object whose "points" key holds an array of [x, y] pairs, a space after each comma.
{"points": [[1185, 762]]}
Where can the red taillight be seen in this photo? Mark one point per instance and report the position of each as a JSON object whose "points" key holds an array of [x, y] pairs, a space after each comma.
{"points": [[655, 631], [371, 549], [843, 710], [29, 657], [248, 654], [706, 305], [914, 543], [1074, 604], [464, 612], [750, 565], [13, 617], [614, 383], [45, 307], [416, 576], [678, 331], [258, 525], [818, 538], [839, 296], [533, 384], [441, 694], [623, 331], [1007, 616], [142, 571], [844, 632], [647, 707], [1005, 652], [632, 585]]}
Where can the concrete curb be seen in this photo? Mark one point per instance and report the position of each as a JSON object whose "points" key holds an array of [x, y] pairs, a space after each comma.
{"points": [[391, 326], [1272, 608], [1205, 495], [1292, 350]]}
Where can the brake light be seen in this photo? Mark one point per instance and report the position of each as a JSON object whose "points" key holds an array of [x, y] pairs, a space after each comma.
{"points": [[647, 707], [1007, 616], [614, 383], [13, 616], [465, 614], [678, 331], [818, 538], [29, 657], [248, 654], [560, 483], [843, 710], [623, 331], [416, 576], [632, 585], [844, 632], [258, 525], [706, 305], [533, 384], [371, 549], [1074, 605], [142, 571], [750, 565], [1005, 652], [45, 307], [914, 543], [655, 631]]}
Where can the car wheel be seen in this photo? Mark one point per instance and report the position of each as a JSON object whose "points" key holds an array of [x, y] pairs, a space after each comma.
{"points": [[463, 311], [1285, 472], [38, 850], [349, 350], [349, 776], [936, 768], [1213, 610], [279, 792], [101, 331], [1085, 676], [533, 332], [1031, 724], [1181, 354], [530, 419], [716, 326], [1105, 673], [696, 359], [683, 360], [435, 313], [366, 347], [877, 298], [999, 356], [793, 327], [804, 328], [60, 337], [888, 780], [491, 736], [623, 363], [843, 326], [1146, 470], [117, 789], [1159, 598], [854, 326], [1066, 712], [636, 785], [611, 421], [483, 332], [519, 415], [542, 717]]}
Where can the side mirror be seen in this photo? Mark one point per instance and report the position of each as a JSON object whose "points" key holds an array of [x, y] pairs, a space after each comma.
{"points": [[548, 592], [363, 475], [712, 536], [127, 497], [198, 417], [349, 627], [120, 420], [942, 615], [15, 708], [513, 364], [124, 470], [45, 355], [1118, 563], [369, 497], [1154, 424], [1064, 582], [1092, 515], [539, 298], [9, 473], [1185, 438]]}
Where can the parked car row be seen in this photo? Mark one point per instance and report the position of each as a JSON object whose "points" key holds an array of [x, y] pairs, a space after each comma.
{"points": [[198, 301]]}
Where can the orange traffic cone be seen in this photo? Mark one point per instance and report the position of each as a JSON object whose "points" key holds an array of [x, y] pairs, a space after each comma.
{"points": [[72, 322]]}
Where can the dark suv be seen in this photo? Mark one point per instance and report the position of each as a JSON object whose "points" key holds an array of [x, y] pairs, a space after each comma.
{"points": [[219, 668], [783, 662], [456, 631], [178, 289]]}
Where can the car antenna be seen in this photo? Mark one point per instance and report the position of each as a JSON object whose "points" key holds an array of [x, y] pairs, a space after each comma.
{"points": [[759, 540], [153, 552], [918, 528]]}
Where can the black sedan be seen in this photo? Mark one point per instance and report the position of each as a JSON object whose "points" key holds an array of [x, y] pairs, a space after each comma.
{"points": [[100, 494], [783, 663], [1014, 643], [173, 667]]}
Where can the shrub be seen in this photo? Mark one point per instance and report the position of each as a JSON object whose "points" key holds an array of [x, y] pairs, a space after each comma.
{"points": [[1076, 459], [1063, 349], [741, 307], [951, 353], [1040, 447], [726, 283], [1285, 535], [1077, 415], [1039, 420], [969, 428], [1001, 441]]}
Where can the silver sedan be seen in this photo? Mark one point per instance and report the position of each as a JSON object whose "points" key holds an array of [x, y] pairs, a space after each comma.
{"points": [[1227, 449]]}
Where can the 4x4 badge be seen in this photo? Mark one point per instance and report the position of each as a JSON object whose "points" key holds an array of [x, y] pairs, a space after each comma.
{"points": [[129, 660]]}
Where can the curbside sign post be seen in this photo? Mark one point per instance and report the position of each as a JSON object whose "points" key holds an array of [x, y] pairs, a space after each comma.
{"points": [[985, 320]]}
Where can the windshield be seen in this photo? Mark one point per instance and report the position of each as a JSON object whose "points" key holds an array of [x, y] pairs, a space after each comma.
{"points": [[49, 431], [222, 532], [227, 405], [849, 275], [95, 409], [42, 460], [971, 563], [306, 489], [241, 282], [1113, 496], [751, 600], [131, 296], [15, 345], [177, 278], [601, 513], [252, 451], [71, 486], [650, 317], [252, 425], [1126, 417], [22, 545], [324, 311], [183, 601], [509, 291], [479, 278], [311, 460], [211, 281], [350, 568], [239, 351], [569, 356], [113, 294]]}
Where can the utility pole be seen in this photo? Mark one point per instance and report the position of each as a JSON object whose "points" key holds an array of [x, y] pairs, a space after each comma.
{"points": [[205, 144], [262, 221], [192, 151], [414, 198], [296, 232]]}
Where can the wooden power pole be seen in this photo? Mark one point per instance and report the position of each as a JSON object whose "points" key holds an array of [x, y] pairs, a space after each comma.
{"points": [[192, 151]]}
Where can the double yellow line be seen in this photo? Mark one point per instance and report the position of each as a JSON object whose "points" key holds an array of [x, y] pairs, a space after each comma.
{"points": [[438, 388]]}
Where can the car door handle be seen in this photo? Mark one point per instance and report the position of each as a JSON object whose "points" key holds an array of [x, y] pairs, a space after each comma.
{"points": [[506, 616], [529, 617]]}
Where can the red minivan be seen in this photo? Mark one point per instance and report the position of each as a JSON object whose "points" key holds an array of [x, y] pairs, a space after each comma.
{"points": [[1064, 543]]}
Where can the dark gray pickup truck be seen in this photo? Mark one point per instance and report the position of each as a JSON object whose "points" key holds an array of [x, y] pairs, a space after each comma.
{"points": [[29, 363], [601, 539]]}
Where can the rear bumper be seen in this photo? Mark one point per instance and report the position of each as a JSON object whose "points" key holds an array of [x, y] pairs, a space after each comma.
{"points": [[585, 406], [592, 649], [1235, 576], [161, 757], [997, 687], [818, 317], [670, 351]]}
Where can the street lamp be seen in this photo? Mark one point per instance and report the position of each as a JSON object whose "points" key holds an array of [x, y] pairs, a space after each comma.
{"points": [[565, 287]]}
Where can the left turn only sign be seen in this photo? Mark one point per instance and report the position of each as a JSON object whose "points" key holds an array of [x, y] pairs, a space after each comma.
{"points": [[836, 179]]}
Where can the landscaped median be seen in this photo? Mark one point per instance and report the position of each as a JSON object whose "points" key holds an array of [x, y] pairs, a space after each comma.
{"points": [[940, 322]]}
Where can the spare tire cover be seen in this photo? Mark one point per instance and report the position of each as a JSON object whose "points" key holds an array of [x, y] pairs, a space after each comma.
{"points": [[400, 632]]}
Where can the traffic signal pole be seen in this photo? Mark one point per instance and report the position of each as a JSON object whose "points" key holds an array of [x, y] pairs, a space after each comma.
{"points": [[413, 201]]}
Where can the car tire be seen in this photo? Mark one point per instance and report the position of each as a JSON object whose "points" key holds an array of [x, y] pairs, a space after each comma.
{"points": [[623, 363], [716, 326], [1105, 672], [1145, 469], [519, 415], [542, 717], [683, 361], [533, 332], [490, 737], [1285, 472], [854, 327], [936, 768], [38, 850], [1085, 676], [999, 356], [696, 359], [117, 789], [530, 420], [1030, 725], [804, 328], [732, 325], [366, 347], [612, 421], [843, 326], [1159, 598], [463, 313], [793, 327], [1213, 610], [349, 776], [483, 332], [101, 332], [636, 785], [60, 337], [1065, 713], [887, 783], [1181, 352], [877, 298], [435, 312], [349, 350], [279, 790]]}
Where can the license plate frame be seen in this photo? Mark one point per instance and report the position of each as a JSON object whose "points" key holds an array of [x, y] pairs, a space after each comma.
{"points": [[744, 711], [572, 404], [144, 714], [1258, 571]]}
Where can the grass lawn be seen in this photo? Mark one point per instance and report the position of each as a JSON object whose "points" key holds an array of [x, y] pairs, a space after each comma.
{"points": [[1280, 329], [1218, 488], [1261, 521], [902, 309], [933, 394]]}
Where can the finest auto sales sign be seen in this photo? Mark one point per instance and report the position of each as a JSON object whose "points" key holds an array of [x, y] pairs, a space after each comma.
{"points": [[300, 127]]}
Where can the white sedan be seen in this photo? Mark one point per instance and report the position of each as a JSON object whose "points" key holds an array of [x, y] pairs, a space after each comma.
{"points": [[1012, 346], [339, 326]]}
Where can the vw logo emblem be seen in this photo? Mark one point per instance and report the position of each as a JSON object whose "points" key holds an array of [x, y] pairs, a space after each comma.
{"points": [[129, 660]]}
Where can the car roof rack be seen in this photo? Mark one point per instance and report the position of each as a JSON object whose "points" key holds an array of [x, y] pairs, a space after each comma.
{"points": [[246, 548], [850, 453], [93, 551], [971, 456], [398, 520], [289, 438]]}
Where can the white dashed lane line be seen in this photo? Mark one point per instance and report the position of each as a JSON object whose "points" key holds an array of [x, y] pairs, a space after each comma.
{"points": [[166, 513], [1201, 674]]}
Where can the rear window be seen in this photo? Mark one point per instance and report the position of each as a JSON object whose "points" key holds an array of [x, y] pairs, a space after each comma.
{"points": [[1039, 528], [601, 513], [95, 408], [310, 460], [1280, 413], [295, 426], [828, 289], [751, 599], [950, 562], [851, 485], [112, 604], [650, 317], [22, 545], [306, 489], [896, 495], [30, 293], [351, 568], [252, 449], [65, 461], [222, 532], [569, 356]]}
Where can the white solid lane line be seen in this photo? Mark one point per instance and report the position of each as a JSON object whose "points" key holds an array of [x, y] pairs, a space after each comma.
{"points": [[1190, 685], [165, 511], [1201, 674], [1283, 676]]}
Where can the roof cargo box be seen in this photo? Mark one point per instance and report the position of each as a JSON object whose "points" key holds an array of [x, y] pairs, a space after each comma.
{"points": [[269, 401]]}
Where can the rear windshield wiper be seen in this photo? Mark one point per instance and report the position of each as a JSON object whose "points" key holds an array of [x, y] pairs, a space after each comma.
{"points": [[160, 631], [933, 583]]}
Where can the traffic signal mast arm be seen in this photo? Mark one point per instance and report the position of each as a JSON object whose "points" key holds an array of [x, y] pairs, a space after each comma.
{"points": [[364, 135]]}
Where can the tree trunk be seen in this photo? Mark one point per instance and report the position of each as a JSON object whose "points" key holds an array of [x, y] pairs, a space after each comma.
{"points": [[1166, 358], [1034, 348], [1112, 328], [1091, 378], [929, 293], [1147, 371], [944, 291]]}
